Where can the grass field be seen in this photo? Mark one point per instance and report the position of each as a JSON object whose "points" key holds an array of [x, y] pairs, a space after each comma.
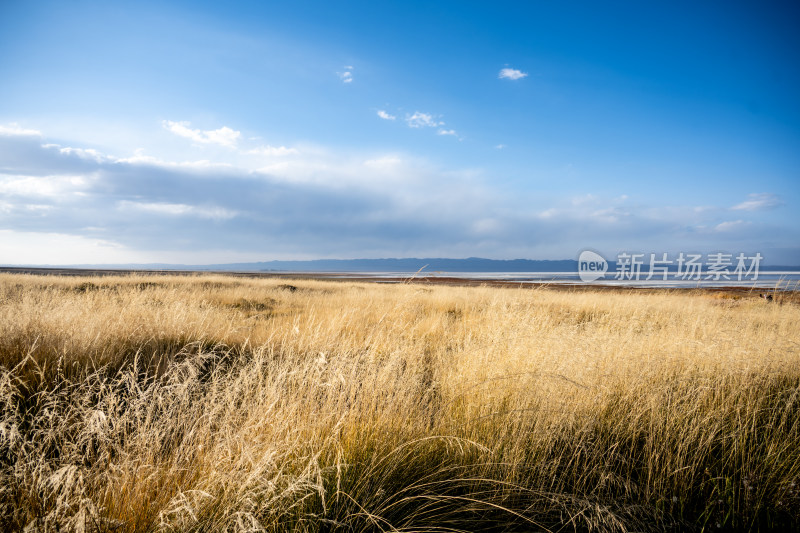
{"points": [[209, 403]]}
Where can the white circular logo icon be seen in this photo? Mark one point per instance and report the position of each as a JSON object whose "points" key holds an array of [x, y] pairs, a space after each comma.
{"points": [[591, 266]]}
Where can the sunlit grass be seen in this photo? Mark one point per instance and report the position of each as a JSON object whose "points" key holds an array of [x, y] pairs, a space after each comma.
{"points": [[212, 403]]}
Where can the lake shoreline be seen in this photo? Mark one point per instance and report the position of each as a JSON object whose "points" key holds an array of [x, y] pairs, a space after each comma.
{"points": [[731, 291]]}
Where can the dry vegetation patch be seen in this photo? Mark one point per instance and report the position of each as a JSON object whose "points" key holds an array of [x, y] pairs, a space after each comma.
{"points": [[209, 403]]}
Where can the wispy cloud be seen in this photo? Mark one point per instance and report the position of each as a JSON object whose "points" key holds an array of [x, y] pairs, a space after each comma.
{"points": [[346, 75], [422, 120], [511, 74], [16, 129], [272, 151], [173, 209], [386, 163], [385, 116], [57, 187], [758, 202], [223, 136], [730, 226], [140, 158], [83, 153], [446, 132]]}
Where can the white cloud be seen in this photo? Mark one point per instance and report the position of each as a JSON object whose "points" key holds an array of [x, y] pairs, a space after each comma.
{"points": [[730, 226], [142, 159], [389, 162], [422, 120], [487, 226], [14, 129], [511, 74], [164, 208], [500, 146], [223, 136], [272, 151], [42, 248], [610, 215], [549, 213], [83, 153], [385, 116], [38, 207], [446, 132], [585, 199], [347, 75], [759, 201], [45, 186]]}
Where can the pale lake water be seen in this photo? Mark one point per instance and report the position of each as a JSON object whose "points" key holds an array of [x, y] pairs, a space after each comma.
{"points": [[789, 280]]}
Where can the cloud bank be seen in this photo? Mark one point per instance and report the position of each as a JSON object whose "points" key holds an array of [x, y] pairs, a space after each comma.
{"points": [[288, 203]]}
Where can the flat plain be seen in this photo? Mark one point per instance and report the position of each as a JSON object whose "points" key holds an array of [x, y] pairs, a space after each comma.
{"points": [[218, 403]]}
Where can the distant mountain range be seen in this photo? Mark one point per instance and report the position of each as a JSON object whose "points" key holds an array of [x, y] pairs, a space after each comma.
{"points": [[412, 264], [470, 264]]}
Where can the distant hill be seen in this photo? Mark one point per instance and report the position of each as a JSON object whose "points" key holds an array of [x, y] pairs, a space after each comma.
{"points": [[472, 264], [437, 264]]}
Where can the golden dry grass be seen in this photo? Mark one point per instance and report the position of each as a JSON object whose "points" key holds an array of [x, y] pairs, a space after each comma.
{"points": [[209, 403]]}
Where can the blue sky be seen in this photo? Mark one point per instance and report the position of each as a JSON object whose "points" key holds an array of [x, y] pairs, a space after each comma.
{"points": [[220, 132]]}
